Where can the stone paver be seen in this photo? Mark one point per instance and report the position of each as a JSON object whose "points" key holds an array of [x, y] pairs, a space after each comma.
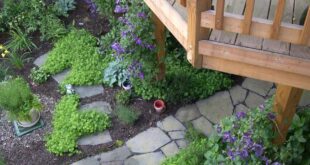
{"points": [[216, 107], [177, 135], [253, 100], [170, 123], [88, 91], [148, 141], [96, 139], [238, 94], [170, 149], [87, 161], [182, 143], [257, 86], [187, 113], [99, 106], [60, 77], [153, 158], [241, 108], [305, 99], [41, 60], [203, 125]]}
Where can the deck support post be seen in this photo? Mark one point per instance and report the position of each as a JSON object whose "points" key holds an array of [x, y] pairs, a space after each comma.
{"points": [[195, 31], [160, 37], [285, 104]]}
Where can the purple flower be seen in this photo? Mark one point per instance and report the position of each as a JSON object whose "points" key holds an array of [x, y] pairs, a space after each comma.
{"points": [[271, 116], [258, 149], [218, 129], [141, 75], [276, 163], [241, 115], [119, 9], [141, 15], [150, 46], [117, 1], [244, 154], [138, 41], [227, 137], [118, 48], [231, 154]]}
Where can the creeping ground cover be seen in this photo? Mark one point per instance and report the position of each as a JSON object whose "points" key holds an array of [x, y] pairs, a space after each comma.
{"points": [[69, 125]]}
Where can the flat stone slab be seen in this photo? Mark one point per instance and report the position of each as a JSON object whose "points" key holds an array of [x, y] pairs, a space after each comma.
{"points": [[88, 91], [216, 107], [148, 141], [305, 99], [177, 135], [182, 143], [187, 113], [170, 149], [238, 94], [254, 100], [40, 60], [60, 77], [170, 123], [99, 106], [87, 161], [154, 158], [241, 108], [100, 138], [257, 86], [203, 125]]}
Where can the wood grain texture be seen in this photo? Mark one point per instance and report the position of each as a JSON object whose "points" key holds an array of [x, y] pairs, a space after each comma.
{"points": [[219, 14], [305, 35], [248, 15], [277, 19]]}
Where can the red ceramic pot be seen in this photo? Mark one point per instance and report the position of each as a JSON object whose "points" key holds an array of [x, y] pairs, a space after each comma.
{"points": [[159, 106]]}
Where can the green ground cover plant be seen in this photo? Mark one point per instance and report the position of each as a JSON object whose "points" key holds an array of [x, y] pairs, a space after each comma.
{"points": [[69, 125], [77, 52], [126, 114]]}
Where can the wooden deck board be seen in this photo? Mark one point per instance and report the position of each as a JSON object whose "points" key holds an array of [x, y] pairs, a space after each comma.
{"points": [[298, 50], [278, 46], [261, 9]]}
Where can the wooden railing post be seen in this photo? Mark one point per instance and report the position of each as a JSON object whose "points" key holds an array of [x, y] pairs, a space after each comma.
{"points": [[285, 104], [160, 37], [195, 31]]}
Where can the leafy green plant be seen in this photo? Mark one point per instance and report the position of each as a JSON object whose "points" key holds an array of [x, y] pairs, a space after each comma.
{"points": [[38, 75], [52, 28], [123, 97], [19, 41], [192, 134], [115, 73], [2, 162], [119, 143], [17, 60], [62, 7], [105, 6], [4, 72], [126, 115], [17, 98], [69, 125]]}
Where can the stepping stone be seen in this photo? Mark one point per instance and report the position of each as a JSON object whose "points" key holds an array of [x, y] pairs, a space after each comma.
{"points": [[241, 108], [40, 60], [187, 113], [257, 86], [216, 107], [60, 77], [305, 99], [154, 158], [88, 91], [182, 143], [148, 141], [203, 125], [116, 155], [100, 138], [99, 106], [254, 100], [170, 124], [170, 149], [87, 161], [238, 94], [177, 135]]}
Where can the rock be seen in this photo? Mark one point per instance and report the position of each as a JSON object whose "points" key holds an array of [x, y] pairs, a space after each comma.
{"points": [[216, 107], [238, 94], [99, 106], [100, 138], [153, 158], [177, 135], [88, 91], [170, 124], [187, 113], [203, 125], [148, 141], [257, 86], [182, 143], [170, 149], [61, 76], [254, 100], [113, 163], [305, 99], [87, 161], [41, 60], [116, 155], [241, 108]]}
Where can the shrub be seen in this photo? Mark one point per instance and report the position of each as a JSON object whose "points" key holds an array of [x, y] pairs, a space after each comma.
{"points": [[77, 51], [123, 97], [126, 115], [3, 72], [61, 7], [115, 73], [17, 98], [52, 28], [19, 41], [69, 125], [38, 76]]}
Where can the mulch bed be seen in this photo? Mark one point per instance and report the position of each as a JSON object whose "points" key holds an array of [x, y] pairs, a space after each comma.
{"points": [[30, 149]]}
